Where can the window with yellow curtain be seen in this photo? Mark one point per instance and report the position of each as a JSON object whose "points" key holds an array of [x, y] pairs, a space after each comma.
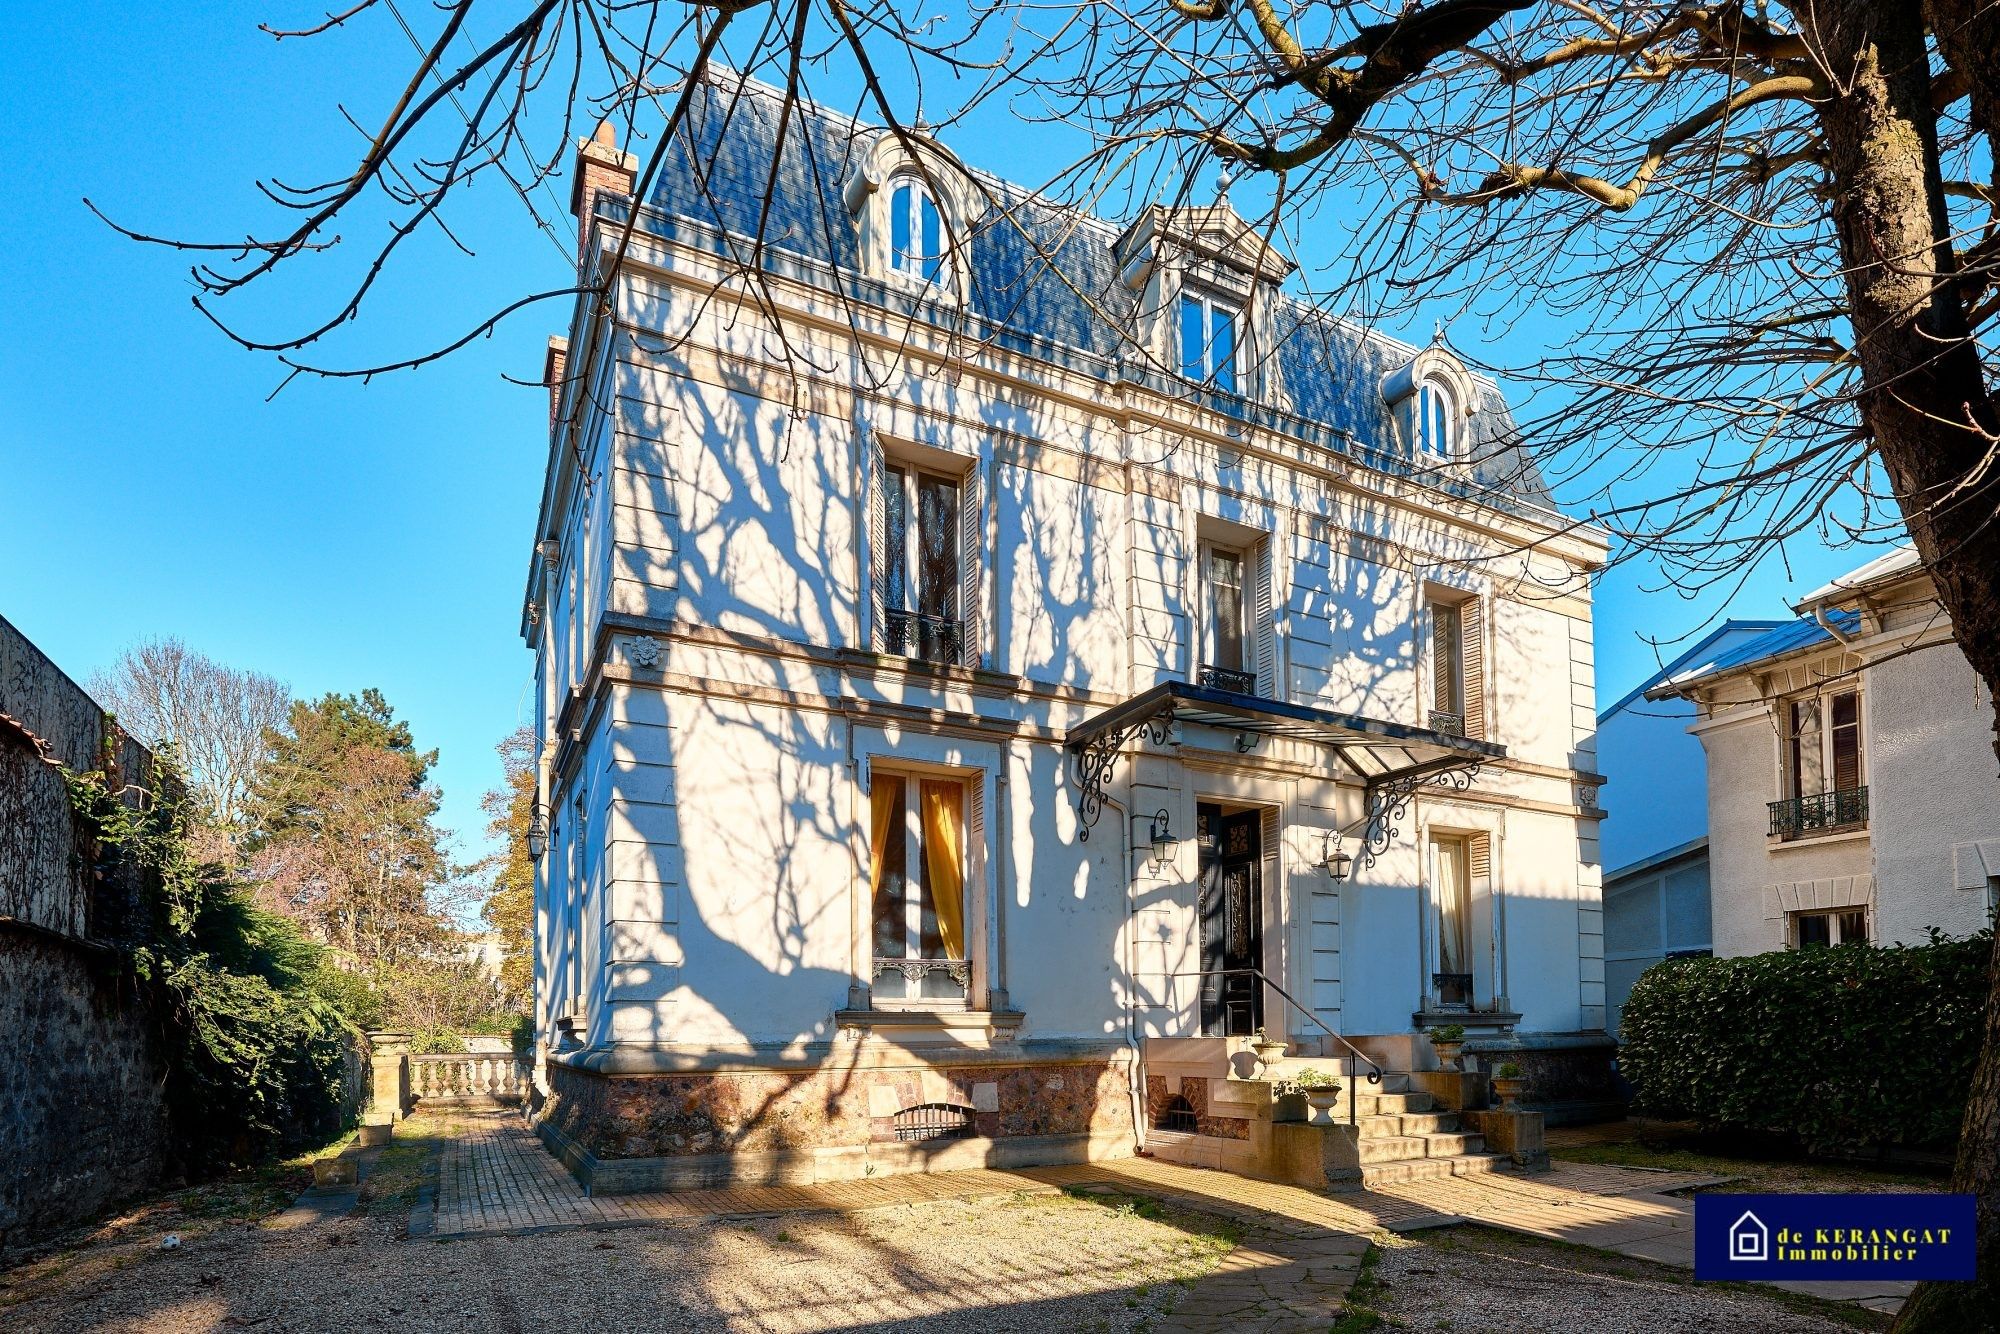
{"points": [[916, 867]]}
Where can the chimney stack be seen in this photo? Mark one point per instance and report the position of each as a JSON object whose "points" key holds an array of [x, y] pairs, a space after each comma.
{"points": [[554, 363], [600, 169]]}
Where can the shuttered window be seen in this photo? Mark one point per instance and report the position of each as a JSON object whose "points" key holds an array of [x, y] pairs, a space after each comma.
{"points": [[1455, 668], [926, 530], [1845, 716], [1823, 744]]}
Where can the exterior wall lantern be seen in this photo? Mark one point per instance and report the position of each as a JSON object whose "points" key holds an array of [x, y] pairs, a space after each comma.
{"points": [[1164, 841], [538, 835], [1337, 862]]}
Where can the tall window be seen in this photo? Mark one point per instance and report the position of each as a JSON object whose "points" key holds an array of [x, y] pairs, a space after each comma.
{"points": [[1451, 892], [1208, 341], [1823, 744], [916, 233], [921, 565], [1437, 419], [917, 861], [1224, 622], [1447, 669]]}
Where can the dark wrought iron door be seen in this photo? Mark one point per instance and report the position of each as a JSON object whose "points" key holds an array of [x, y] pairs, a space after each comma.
{"points": [[1232, 920]]}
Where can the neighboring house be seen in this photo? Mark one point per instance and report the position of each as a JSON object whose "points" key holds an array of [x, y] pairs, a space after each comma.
{"points": [[1655, 835], [1017, 669], [1852, 792]]}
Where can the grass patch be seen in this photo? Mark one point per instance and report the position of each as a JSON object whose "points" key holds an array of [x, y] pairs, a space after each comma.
{"points": [[391, 1186], [1357, 1312]]}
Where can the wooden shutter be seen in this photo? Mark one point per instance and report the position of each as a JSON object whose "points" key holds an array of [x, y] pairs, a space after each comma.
{"points": [[875, 479], [1472, 668], [1481, 859], [971, 541], [1443, 623], [1844, 714], [1263, 621]]}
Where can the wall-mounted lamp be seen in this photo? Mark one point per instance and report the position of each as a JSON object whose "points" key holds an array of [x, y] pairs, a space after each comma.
{"points": [[1163, 839], [538, 835], [1337, 862]]}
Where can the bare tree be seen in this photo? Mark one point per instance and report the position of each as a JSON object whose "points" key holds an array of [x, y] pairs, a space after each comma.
{"points": [[1771, 228], [216, 718]]}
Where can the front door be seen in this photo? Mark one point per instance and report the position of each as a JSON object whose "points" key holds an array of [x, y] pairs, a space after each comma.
{"points": [[1232, 920]]}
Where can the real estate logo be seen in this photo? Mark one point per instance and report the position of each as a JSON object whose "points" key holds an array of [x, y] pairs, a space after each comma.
{"points": [[1764, 1237]]}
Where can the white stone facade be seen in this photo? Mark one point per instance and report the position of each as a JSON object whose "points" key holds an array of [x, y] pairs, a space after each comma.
{"points": [[718, 699]]}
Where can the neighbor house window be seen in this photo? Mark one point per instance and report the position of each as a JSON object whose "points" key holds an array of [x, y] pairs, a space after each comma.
{"points": [[922, 583], [1208, 341], [1226, 663], [916, 233], [1437, 418], [917, 873], [1822, 783], [1842, 926]]}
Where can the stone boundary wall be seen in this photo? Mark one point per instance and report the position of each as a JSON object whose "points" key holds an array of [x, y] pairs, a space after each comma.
{"points": [[82, 1122]]}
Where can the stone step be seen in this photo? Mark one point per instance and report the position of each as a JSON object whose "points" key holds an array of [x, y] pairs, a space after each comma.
{"points": [[1374, 1175], [1389, 1104], [1403, 1148], [1411, 1123]]}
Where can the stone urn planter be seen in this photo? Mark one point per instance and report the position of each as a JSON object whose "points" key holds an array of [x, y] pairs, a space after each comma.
{"points": [[1447, 1041], [1507, 1085], [1269, 1050], [1322, 1095]]}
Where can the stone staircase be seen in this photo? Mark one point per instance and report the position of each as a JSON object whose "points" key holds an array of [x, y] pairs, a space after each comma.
{"points": [[1402, 1136]]}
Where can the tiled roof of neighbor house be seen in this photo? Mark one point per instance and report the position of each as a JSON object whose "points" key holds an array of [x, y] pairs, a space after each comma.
{"points": [[1043, 278], [1789, 637], [1896, 561]]}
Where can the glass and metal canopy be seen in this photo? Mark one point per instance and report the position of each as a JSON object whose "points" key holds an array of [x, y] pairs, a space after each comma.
{"points": [[1391, 759]]}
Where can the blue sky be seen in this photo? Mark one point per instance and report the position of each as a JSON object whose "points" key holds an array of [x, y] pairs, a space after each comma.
{"points": [[342, 535]]}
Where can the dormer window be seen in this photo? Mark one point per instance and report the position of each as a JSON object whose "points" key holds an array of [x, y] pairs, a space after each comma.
{"points": [[1209, 341], [916, 233], [1437, 418]]}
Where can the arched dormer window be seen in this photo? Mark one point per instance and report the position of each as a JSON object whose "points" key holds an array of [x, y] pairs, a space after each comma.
{"points": [[917, 233], [1438, 418], [1432, 398]]}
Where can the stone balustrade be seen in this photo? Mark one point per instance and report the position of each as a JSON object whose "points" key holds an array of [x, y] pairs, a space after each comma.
{"points": [[467, 1077]]}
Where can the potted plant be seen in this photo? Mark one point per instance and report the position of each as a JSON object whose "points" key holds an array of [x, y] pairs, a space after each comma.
{"points": [[1269, 1050], [1507, 1084], [1322, 1092], [1447, 1039]]}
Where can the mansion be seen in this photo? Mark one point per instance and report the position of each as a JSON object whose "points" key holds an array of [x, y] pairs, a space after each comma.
{"points": [[994, 664]]}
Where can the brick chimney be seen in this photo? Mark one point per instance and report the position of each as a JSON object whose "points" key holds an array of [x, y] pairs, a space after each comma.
{"points": [[600, 169], [554, 363]]}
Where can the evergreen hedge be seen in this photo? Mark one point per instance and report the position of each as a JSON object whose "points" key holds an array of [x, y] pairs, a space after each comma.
{"points": [[1853, 1047]]}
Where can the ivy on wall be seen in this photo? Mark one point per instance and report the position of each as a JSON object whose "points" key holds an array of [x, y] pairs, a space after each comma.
{"points": [[1853, 1047], [257, 1054]]}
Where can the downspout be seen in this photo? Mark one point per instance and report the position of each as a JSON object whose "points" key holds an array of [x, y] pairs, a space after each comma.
{"points": [[1825, 622]]}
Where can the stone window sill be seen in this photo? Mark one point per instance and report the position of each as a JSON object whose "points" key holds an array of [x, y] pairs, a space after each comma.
{"points": [[979, 1021], [1777, 842]]}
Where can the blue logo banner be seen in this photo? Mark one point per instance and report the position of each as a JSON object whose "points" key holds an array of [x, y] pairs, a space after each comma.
{"points": [[1820, 1237]]}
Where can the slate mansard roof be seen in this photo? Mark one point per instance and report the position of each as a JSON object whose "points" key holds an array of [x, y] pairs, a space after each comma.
{"points": [[1042, 280]]}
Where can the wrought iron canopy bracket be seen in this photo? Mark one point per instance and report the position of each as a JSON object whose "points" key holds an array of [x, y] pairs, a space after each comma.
{"points": [[1387, 800], [1097, 757]]}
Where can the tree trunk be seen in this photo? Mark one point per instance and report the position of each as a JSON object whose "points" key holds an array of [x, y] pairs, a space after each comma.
{"points": [[1932, 423]]}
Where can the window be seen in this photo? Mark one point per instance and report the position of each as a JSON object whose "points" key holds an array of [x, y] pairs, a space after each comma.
{"points": [[1451, 894], [1208, 341], [1454, 654], [1842, 926], [1224, 622], [1437, 418], [921, 575], [916, 233], [917, 863], [1822, 783]]}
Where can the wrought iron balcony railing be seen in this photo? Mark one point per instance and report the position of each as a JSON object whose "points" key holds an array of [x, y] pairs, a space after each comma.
{"points": [[1228, 678], [1823, 812], [1450, 724], [1453, 989], [921, 979], [914, 634]]}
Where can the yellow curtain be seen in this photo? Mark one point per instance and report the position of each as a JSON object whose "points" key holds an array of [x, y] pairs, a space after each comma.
{"points": [[944, 861], [885, 813]]}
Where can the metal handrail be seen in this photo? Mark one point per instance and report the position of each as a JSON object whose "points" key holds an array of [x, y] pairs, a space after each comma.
{"points": [[1354, 1053]]}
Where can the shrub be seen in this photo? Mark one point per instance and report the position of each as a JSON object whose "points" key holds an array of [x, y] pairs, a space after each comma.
{"points": [[1448, 1033], [1507, 1070], [1845, 1048]]}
